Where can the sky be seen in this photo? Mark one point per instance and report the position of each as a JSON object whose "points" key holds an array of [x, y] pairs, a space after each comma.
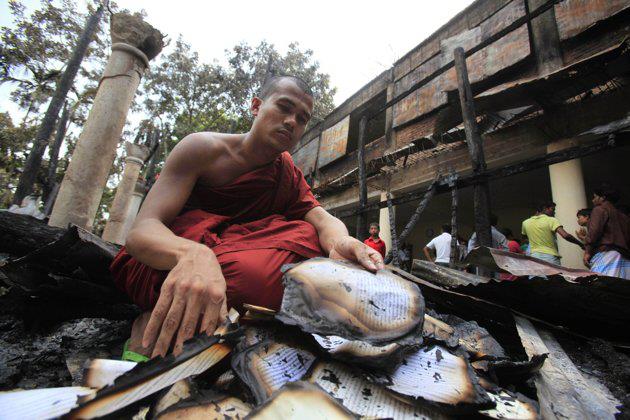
{"points": [[354, 41]]}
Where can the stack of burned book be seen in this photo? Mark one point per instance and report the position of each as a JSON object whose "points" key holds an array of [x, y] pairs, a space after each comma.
{"points": [[345, 343]]}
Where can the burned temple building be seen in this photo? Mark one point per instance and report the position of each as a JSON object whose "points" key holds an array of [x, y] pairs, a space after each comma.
{"points": [[550, 86]]}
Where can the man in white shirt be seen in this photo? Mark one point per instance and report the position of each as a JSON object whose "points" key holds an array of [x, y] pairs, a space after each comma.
{"points": [[499, 241], [442, 246]]}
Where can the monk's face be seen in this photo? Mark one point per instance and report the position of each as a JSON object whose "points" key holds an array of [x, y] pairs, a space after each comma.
{"points": [[281, 118]]}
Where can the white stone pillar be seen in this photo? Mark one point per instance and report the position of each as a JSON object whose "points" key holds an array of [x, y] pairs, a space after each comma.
{"points": [[92, 159], [114, 229], [383, 221], [133, 208], [567, 191]]}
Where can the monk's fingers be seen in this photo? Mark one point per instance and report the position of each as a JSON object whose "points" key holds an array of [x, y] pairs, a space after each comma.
{"points": [[363, 257], [157, 316], [170, 325], [189, 322], [377, 259], [210, 318], [224, 311]]}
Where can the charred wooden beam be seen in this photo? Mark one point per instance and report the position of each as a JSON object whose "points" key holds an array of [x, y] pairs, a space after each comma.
{"points": [[20, 234], [428, 195], [362, 215], [392, 225], [545, 38], [430, 192], [618, 140], [481, 193], [454, 248]]}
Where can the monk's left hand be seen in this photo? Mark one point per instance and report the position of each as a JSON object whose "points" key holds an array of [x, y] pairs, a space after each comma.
{"points": [[349, 248]]}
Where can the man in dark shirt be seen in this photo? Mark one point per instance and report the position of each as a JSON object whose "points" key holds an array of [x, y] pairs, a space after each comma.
{"points": [[608, 239], [374, 241]]}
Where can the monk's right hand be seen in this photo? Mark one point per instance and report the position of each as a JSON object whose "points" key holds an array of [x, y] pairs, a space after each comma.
{"points": [[193, 290]]}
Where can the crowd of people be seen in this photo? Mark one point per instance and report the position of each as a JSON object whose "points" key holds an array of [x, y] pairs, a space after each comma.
{"points": [[604, 235]]}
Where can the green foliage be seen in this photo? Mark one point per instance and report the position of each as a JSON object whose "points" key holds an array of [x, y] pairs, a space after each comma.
{"points": [[13, 143], [34, 50], [249, 66], [190, 96]]}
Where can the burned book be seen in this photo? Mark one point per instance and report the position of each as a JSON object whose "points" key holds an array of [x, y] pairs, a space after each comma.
{"points": [[475, 339], [301, 401], [179, 391], [207, 405], [267, 366], [338, 298], [435, 376], [45, 403], [436, 330], [198, 355], [99, 373], [362, 353], [363, 398], [510, 405]]}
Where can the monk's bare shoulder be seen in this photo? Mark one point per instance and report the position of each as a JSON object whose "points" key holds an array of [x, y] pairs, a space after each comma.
{"points": [[207, 154]]}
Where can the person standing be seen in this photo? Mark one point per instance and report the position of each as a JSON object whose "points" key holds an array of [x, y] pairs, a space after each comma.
{"points": [[374, 241], [608, 238], [441, 244], [498, 239], [541, 230], [583, 216], [512, 243]]}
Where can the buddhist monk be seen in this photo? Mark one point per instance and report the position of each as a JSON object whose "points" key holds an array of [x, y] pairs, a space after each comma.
{"points": [[227, 212]]}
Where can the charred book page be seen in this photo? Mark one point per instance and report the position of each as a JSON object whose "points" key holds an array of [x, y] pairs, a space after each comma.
{"points": [[331, 297]]}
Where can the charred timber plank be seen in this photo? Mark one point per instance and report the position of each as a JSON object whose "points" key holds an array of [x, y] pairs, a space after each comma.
{"points": [[562, 390], [394, 235], [559, 85], [20, 234], [362, 216], [430, 192], [481, 193], [454, 248]]}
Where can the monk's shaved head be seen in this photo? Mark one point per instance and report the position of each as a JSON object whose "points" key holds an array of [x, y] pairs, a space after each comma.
{"points": [[271, 85]]}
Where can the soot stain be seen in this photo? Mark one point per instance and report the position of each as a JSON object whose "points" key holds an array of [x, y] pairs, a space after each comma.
{"points": [[331, 377], [438, 355]]}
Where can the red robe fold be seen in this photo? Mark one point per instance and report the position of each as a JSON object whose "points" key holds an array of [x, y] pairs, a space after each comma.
{"points": [[254, 225]]}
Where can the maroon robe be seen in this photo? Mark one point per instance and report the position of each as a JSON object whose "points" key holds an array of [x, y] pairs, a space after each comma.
{"points": [[254, 225]]}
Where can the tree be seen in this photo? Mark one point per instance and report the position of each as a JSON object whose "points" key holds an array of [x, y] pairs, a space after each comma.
{"points": [[186, 94], [13, 142], [190, 96], [34, 50], [249, 66], [47, 126]]}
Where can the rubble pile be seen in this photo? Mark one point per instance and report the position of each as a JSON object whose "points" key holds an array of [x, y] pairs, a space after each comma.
{"points": [[345, 343]]}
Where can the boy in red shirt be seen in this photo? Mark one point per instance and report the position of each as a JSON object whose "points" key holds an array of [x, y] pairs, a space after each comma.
{"points": [[374, 241]]}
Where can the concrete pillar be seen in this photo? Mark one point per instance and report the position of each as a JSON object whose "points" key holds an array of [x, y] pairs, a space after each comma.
{"points": [[134, 43], [114, 229], [383, 222], [567, 191], [133, 207]]}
